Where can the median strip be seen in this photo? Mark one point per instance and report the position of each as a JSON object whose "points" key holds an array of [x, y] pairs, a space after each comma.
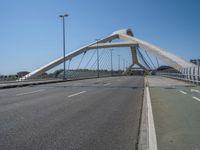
{"points": [[20, 94], [76, 94]]}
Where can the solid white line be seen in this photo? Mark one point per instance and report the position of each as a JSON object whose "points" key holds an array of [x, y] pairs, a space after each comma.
{"points": [[182, 92], [196, 98], [20, 94], [76, 94], [107, 84], [152, 131], [194, 90]]}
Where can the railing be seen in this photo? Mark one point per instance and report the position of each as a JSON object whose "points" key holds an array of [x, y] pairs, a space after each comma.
{"points": [[186, 74]]}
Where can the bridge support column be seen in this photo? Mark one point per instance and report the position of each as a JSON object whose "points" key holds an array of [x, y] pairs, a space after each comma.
{"points": [[135, 60]]}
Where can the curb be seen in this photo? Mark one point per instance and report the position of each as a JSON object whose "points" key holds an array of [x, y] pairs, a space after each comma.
{"points": [[21, 84], [147, 136], [28, 84]]}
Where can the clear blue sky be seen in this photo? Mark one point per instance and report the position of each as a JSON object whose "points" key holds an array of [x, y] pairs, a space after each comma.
{"points": [[31, 33]]}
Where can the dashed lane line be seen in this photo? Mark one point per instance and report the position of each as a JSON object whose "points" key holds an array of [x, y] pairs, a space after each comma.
{"points": [[107, 84], [76, 94], [194, 90], [196, 98], [20, 94], [182, 92]]}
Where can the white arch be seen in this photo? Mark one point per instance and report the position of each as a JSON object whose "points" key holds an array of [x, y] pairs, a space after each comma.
{"points": [[129, 41], [171, 59]]}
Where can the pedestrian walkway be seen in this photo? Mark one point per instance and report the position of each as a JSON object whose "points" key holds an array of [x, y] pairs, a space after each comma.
{"points": [[176, 110]]}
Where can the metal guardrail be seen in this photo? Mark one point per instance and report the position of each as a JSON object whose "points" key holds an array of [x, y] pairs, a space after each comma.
{"points": [[186, 74]]}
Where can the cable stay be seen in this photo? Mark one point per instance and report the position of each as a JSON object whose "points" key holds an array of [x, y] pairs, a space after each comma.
{"points": [[81, 60], [157, 62], [90, 60], [69, 64], [96, 59], [144, 60], [150, 59], [102, 61], [105, 62]]}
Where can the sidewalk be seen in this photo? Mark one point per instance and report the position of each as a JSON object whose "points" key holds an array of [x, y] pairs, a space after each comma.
{"points": [[176, 110]]}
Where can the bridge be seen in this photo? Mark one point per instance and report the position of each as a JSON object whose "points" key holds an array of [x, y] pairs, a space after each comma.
{"points": [[103, 104], [128, 40]]}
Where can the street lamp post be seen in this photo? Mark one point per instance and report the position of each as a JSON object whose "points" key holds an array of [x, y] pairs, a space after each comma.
{"points": [[97, 40], [124, 64], [64, 68], [111, 63], [119, 62]]}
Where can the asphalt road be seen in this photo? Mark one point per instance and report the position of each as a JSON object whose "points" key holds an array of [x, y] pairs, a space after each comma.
{"points": [[93, 114], [176, 109]]}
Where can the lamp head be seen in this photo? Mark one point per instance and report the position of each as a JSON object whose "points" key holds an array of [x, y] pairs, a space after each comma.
{"points": [[65, 15]]}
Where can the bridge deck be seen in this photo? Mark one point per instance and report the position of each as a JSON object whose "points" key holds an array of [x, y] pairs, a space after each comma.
{"points": [[88, 114], [176, 110]]}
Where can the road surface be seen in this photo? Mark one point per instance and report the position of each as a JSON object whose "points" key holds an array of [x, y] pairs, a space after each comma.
{"points": [[100, 114], [176, 109]]}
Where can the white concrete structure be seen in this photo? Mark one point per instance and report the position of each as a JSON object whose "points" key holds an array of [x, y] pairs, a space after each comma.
{"points": [[128, 41]]}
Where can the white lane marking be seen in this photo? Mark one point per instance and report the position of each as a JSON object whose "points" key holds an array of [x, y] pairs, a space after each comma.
{"points": [[182, 92], [20, 94], [196, 98], [76, 94], [152, 131], [194, 90], [107, 84]]}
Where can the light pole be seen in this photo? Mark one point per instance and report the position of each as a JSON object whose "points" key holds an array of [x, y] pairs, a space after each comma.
{"points": [[63, 19], [119, 62], [97, 40], [124, 64], [111, 63]]}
